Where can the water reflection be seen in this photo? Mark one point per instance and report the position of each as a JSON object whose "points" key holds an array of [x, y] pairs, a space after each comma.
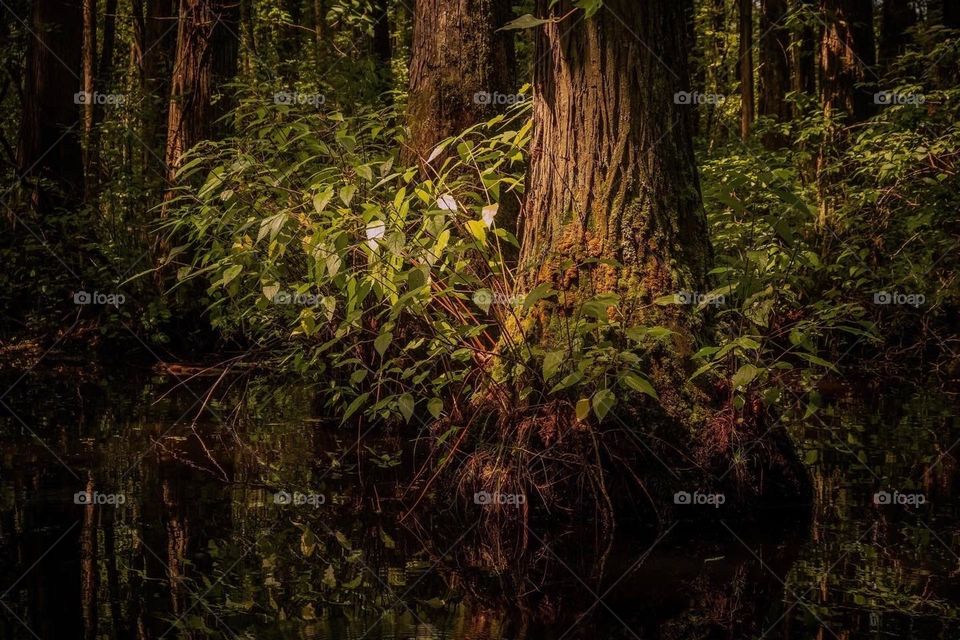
{"points": [[129, 509]]}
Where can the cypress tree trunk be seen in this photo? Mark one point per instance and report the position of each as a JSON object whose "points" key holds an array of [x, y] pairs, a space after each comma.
{"points": [[897, 17], [49, 146], [457, 54], [612, 171], [745, 66], [206, 58], [774, 65], [846, 55]]}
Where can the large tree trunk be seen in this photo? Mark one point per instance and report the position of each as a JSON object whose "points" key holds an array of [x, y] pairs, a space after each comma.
{"points": [[49, 148], [458, 56], [745, 67], [612, 171], [206, 58], [774, 65], [846, 56], [897, 17]]}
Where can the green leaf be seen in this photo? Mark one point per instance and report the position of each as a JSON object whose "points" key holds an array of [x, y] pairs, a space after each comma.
{"points": [[744, 375], [354, 406], [818, 361], [639, 384], [583, 408], [347, 193], [230, 274], [322, 199], [603, 401], [435, 407], [551, 363], [382, 342], [539, 292], [526, 21], [405, 403]]}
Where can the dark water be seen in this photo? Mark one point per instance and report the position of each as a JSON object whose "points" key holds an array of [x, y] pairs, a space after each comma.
{"points": [[187, 540]]}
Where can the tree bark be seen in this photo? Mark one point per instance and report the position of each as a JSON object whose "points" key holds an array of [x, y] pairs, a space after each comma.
{"points": [[89, 89], [897, 17], [774, 65], [159, 44], [49, 147], [206, 58], [805, 52], [846, 57], [458, 54], [612, 171], [745, 67]]}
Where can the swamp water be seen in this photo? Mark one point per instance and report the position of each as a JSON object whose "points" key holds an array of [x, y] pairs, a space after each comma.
{"points": [[129, 509]]}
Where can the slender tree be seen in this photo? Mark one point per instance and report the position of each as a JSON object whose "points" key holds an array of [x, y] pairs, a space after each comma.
{"points": [[896, 18], [49, 155], [159, 44], [804, 47], [382, 47], [89, 88], [612, 172], [951, 13], [847, 53], [459, 60], [745, 67], [774, 72]]}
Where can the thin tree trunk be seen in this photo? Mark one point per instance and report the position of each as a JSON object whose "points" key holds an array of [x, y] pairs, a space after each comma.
{"points": [[846, 57], [897, 17], [951, 14], [382, 47], [105, 68], [612, 171], [745, 66], [49, 148], [774, 66], [89, 89], [805, 52], [458, 58], [160, 30]]}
